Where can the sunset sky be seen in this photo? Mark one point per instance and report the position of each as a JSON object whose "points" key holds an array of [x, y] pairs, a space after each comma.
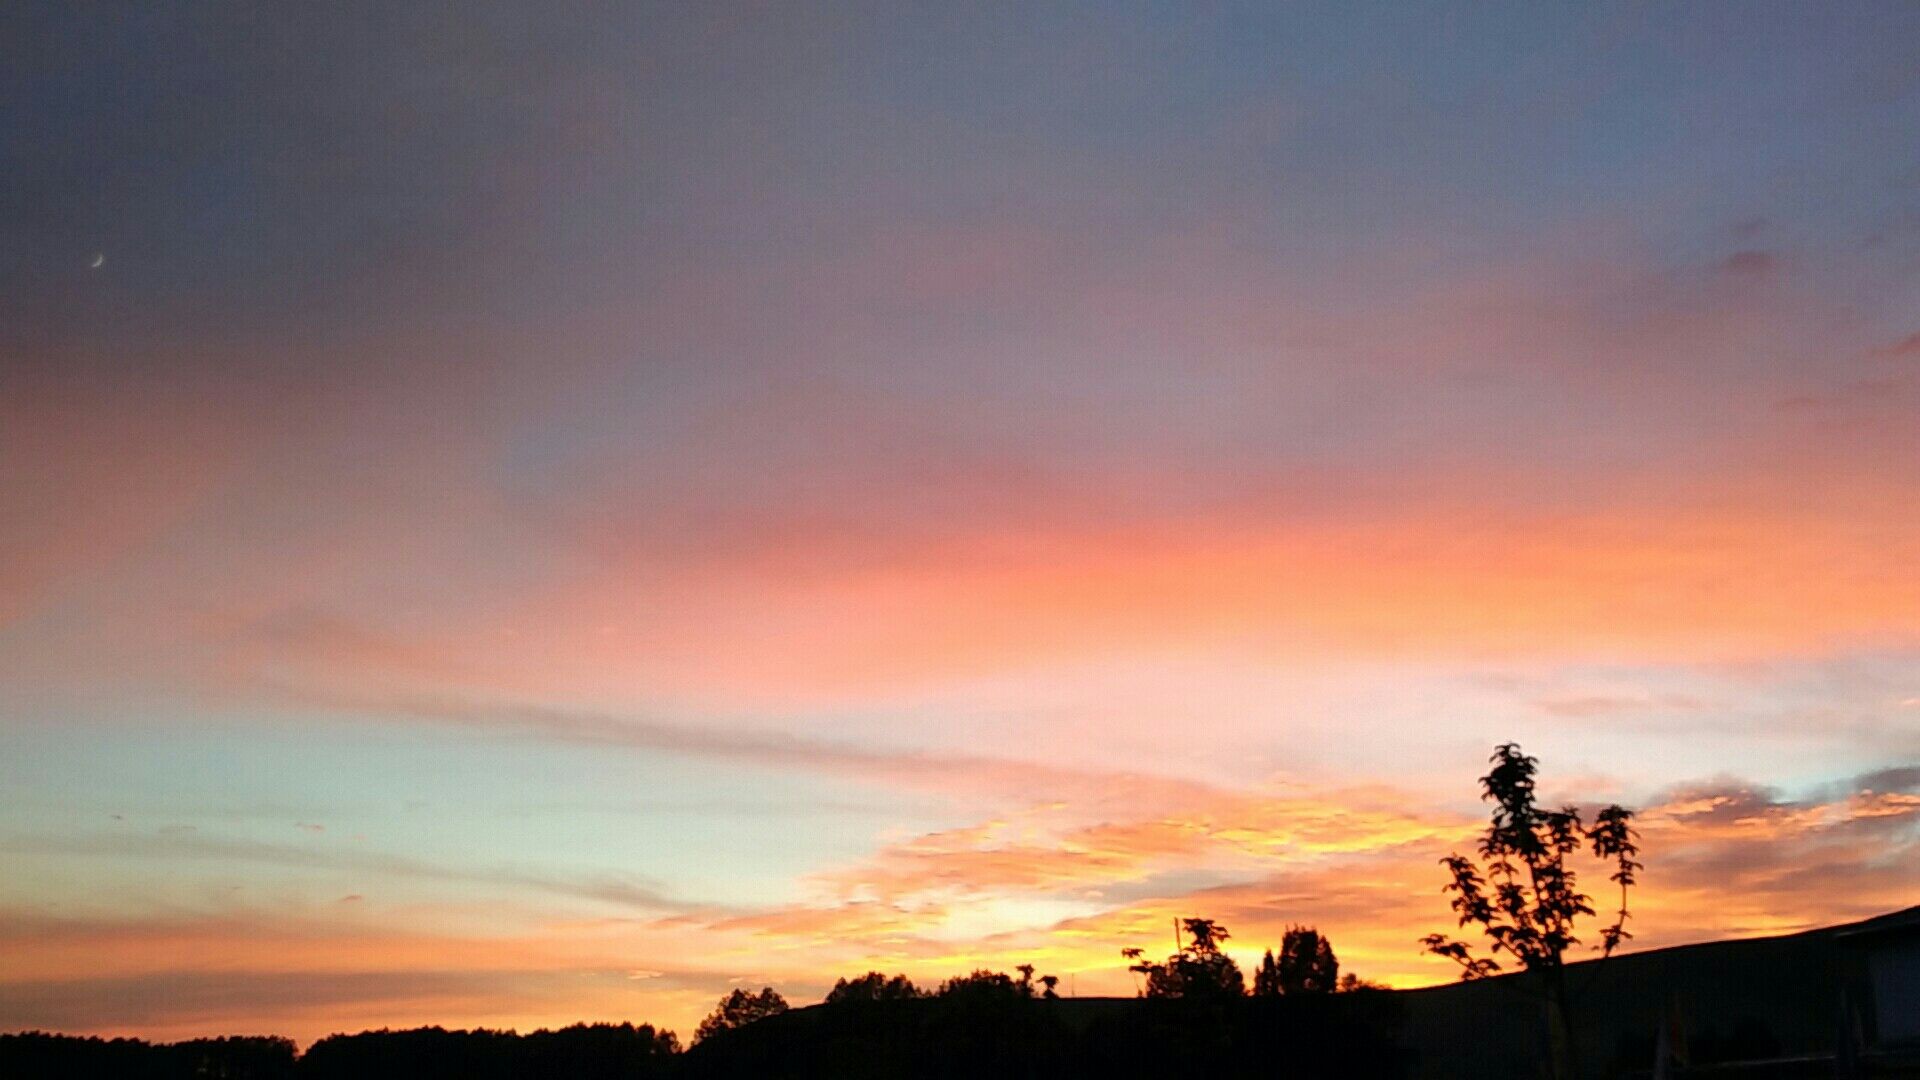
{"points": [[552, 513]]}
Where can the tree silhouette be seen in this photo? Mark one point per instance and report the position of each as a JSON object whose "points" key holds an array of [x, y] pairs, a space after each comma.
{"points": [[1199, 970], [1526, 900], [1207, 934], [873, 986], [739, 1009], [1306, 965], [579, 1052], [1266, 977], [980, 984], [1133, 955]]}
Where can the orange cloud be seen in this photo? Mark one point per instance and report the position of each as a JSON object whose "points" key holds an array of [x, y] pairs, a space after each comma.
{"points": [[1723, 860], [1241, 832]]}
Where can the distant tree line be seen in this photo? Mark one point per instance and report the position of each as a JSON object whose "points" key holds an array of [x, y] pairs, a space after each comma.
{"points": [[1197, 1017], [34, 1055], [873, 1025], [580, 1052]]}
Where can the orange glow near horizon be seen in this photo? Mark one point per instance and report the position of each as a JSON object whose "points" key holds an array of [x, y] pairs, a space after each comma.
{"points": [[1365, 877]]}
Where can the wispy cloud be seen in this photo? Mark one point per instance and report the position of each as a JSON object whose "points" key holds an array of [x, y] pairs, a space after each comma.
{"points": [[172, 845], [933, 770]]}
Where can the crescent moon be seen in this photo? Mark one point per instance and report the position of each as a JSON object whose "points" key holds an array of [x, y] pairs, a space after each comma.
{"points": [[98, 262]]}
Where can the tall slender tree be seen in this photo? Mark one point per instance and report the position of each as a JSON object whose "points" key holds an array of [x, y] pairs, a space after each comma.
{"points": [[1525, 898], [1266, 977]]}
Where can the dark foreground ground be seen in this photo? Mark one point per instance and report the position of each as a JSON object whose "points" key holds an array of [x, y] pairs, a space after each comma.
{"points": [[1773, 1004]]}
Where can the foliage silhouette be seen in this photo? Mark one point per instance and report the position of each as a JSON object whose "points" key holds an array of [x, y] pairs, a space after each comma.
{"points": [[40, 1054], [582, 1051], [1305, 965], [1526, 900], [983, 1025], [1207, 934], [1198, 971], [873, 986], [983, 985], [739, 1009], [1266, 977], [1135, 956], [597, 1051], [579, 1052], [1737, 1007]]}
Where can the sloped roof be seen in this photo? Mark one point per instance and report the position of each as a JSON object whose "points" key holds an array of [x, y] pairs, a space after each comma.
{"points": [[1896, 922]]}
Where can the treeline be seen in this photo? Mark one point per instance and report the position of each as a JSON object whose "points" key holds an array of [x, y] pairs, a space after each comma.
{"points": [[987, 1029], [580, 1052], [35, 1054], [1197, 1018], [1300, 1018], [883, 1026], [982, 1026], [583, 1052]]}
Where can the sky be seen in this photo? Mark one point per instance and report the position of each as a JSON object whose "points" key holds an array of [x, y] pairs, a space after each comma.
{"points": [[516, 514]]}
